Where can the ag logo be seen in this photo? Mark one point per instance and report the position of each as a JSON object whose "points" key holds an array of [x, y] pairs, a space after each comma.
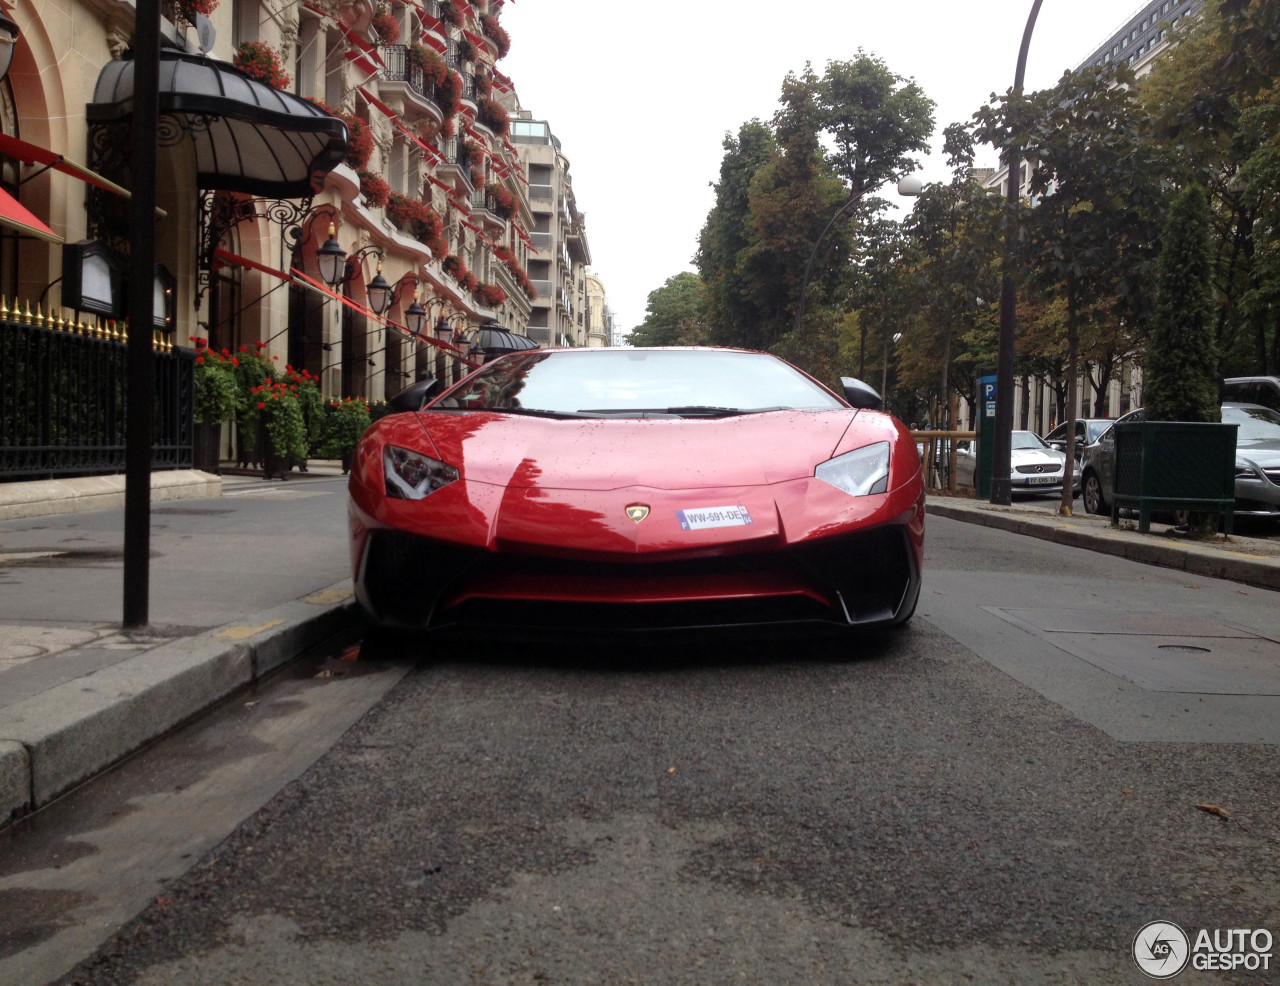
{"points": [[637, 512], [1161, 949]]}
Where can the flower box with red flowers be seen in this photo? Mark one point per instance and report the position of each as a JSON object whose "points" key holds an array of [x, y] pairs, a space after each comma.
{"points": [[259, 60]]}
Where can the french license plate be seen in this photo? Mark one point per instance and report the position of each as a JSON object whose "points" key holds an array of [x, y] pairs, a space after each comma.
{"points": [[1041, 480], [706, 517]]}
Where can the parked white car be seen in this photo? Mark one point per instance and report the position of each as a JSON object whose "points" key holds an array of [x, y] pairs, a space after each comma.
{"points": [[1037, 468]]}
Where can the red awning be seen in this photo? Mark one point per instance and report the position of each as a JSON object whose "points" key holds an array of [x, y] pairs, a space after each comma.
{"points": [[32, 154], [369, 49], [17, 216], [295, 276]]}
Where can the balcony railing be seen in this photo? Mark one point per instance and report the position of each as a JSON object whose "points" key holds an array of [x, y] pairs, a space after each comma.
{"points": [[399, 70], [454, 151]]}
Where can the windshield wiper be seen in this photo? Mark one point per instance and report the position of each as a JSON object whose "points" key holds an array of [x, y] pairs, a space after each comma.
{"points": [[531, 412], [686, 411]]}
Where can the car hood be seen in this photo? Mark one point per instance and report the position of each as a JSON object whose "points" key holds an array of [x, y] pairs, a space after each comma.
{"points": [[662, 453], [1032, 456], [1264, 453]]}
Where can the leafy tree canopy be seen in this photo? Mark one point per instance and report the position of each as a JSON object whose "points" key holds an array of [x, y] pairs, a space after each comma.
{"points": [[675, 313]]}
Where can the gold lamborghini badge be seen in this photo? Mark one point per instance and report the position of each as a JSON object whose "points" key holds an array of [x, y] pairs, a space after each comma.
{"points": [[637, 512]]}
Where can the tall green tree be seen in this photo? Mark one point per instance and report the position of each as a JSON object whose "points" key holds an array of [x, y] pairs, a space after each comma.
{"points": [[729, 229], [955, 228], [834, 140], [1215, 101], [1096, 185], [1180, 381], [675, 314]]}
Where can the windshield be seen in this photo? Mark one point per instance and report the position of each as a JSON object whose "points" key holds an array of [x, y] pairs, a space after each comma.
{"points": [[1027, 439], [1257, 424], [694, 382]]}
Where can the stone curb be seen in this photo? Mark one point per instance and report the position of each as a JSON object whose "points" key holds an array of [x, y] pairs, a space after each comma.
{"points": [[1192, 558], [59, 738], [44, 497]]}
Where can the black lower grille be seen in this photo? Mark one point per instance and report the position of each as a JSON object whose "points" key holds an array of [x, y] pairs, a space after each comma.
{"points": [[869, 576]]}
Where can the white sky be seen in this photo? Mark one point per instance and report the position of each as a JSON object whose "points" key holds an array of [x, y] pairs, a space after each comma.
{"points": [[641, 95]]}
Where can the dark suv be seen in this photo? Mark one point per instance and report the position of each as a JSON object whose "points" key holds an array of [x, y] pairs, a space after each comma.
{"points": [[1253, 390]]}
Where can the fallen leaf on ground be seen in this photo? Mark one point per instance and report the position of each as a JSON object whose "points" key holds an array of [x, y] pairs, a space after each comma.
{"points": [[1215, 810], [1126, 790]]}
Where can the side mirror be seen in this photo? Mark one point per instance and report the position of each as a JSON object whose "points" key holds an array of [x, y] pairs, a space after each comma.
{"points": [[416, 396], [860, 394]]}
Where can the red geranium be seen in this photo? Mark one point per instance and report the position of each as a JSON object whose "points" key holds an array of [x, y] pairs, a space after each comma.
{"points": [[258, 60]]}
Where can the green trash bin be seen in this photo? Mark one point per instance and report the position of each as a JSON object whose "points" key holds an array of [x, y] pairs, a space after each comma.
{"points": [[1175, 465]]}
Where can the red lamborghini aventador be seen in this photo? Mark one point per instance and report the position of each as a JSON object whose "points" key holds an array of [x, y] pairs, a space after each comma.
{"points": [[638, 489]]}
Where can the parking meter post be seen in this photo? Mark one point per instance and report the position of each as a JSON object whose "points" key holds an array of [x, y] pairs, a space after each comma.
{"points": [[986, 429]]}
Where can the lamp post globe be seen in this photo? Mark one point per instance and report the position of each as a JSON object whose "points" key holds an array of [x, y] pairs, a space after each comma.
{"points": [[415, 316], [331, 259], [379, 292]]}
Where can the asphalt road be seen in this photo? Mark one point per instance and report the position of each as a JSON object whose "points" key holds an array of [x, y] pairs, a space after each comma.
{"points": [[993, 795]]}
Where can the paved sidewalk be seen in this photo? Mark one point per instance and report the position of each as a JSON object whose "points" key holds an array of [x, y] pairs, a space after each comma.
{"points": [[228, 606], [1238, 558], [77, 694]]}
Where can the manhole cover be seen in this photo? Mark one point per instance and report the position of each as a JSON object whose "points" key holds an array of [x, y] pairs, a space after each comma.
{"points": [[1185, 649]]}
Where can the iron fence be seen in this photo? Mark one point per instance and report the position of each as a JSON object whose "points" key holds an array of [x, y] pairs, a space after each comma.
{"points": [[63, 398]]}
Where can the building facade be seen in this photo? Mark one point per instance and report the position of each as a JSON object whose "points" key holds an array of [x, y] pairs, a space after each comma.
{"points": [[559, 233], [377, 133]]}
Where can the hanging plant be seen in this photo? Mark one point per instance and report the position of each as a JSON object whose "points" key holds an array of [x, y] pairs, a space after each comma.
{"points": [[449, 93], [491, 295], [484, 85], [418, 219], [188, 9], [359, 142], [374, 188], [494, 116], [509, 261], [359, 135], [258, 60], [386, 26], [451, 13], [466, 50], [504, 202], [496, 33]]}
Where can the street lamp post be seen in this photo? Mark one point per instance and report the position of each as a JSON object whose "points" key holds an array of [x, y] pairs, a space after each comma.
{"points": [[911, 185], [1002, 447]]}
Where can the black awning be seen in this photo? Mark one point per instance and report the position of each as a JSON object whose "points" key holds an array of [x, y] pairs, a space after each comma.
{"points": [[495, 341], [248, 137]]}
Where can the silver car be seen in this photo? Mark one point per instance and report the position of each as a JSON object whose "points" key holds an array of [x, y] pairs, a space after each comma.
{"points": [[1037, 468], [1257, 462]]}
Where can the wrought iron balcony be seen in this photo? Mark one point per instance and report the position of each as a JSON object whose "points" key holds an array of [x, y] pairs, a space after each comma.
{"points": [[398, 69]]}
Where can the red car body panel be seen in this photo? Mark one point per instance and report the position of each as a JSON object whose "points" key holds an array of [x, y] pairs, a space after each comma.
{"points": [[547, 494]]}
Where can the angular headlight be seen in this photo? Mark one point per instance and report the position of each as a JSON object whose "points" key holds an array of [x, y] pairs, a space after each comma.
{"points": [[860, 472], [411, 475]]}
